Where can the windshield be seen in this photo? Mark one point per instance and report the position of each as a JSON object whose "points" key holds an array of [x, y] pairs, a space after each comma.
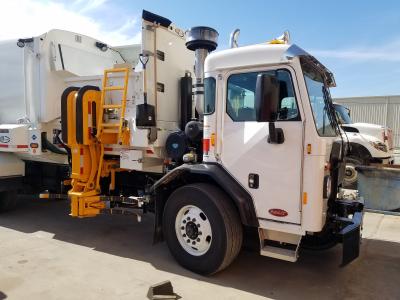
{"points": [[343, 114], [319, 99]]}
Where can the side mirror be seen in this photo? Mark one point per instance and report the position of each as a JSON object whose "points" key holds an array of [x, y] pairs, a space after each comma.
{"points": [[266, 98], [266, 105]]}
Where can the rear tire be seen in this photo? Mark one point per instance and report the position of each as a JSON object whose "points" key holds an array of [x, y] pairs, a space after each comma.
{"points": [[215, 249], [8, 200]]}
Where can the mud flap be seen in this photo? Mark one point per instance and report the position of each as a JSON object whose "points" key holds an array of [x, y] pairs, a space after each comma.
{"points": [[350, 237]]}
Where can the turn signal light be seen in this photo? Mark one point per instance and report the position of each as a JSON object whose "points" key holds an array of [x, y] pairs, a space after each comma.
{"points": [[305, 198], [308, 148]]}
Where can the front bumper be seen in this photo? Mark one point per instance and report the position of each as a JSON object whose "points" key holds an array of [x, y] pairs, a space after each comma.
{"points": [[382, 160], [348, 231]]}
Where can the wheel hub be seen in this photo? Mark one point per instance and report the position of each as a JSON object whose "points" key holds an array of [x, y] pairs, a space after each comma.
{"points": [[350, 173], [193, 230]]}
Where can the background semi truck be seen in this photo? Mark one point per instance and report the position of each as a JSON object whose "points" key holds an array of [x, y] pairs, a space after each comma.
{"points": [[368, 143], [243, 140]]}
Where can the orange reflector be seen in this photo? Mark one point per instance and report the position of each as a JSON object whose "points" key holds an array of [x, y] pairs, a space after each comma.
{"points": [[305, 198], [308, 148], [212, 139]]}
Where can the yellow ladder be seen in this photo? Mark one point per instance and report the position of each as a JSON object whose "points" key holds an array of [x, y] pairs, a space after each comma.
{"points": [[117, 128], [113, 128]]}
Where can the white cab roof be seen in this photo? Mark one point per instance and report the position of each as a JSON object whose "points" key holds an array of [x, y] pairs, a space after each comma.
{"points": [[262, 54], [247, 56]]}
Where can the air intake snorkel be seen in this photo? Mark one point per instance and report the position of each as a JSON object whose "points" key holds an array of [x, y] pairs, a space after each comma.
{"points": [[201, 40]]}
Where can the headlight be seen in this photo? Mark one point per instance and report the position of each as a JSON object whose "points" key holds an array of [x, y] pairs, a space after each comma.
{"points": [[379, 146]]}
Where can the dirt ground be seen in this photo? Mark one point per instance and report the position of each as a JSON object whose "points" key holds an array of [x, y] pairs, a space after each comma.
{"points": [[45, 254]]}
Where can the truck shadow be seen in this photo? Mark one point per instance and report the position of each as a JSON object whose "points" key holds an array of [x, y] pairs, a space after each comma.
{"points": [[316, 275]]}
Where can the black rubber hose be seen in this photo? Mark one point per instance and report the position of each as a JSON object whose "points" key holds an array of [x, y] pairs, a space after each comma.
{"points": [[49, 146]]}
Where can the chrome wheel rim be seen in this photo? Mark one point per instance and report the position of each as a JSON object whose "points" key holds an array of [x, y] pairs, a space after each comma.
{"points": [[193, 230]]}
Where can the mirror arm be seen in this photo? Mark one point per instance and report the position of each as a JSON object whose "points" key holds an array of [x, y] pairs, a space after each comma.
{"points": [[276, 135]]}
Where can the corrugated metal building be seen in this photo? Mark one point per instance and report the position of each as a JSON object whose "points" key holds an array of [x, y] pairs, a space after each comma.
{"points": [[382, 110]]}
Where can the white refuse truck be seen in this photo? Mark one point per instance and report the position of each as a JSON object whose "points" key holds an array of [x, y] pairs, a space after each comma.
{"points": [[216, 146], [368, 143]]}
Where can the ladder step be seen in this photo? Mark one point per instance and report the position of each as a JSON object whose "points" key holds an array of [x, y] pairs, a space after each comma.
{"points": [[117, 70], [105, 106], [110, 124], [280, 253], [114, 88], [110, 131]]}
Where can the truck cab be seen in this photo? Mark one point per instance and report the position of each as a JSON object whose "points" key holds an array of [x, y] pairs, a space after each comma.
{"points": [[272, 144], [369, 143], [242, 141]]}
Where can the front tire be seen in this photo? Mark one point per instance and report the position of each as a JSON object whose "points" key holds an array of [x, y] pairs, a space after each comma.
{"points": [[8, 200], [202, 228]]}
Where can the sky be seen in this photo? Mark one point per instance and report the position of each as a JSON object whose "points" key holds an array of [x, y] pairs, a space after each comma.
{"points": [[359, 41]]}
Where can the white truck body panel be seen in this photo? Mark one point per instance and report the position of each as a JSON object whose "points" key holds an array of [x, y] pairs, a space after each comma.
{"points": [[32, 78], [11, 165], [242, 147], [35, 76], [12, 98], [253, 154], [13, 137], [163, 92]]}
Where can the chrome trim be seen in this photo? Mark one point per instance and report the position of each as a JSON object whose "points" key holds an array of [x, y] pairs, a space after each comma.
{"points": [[233, 39]]}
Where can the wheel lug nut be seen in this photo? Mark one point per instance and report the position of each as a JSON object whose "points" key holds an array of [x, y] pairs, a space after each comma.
{"points": [[188, 240], [188, 218], [184, 221], [193, 243], [198, 225], [193, 220], [182, 227], [199, 233], [198, 240], [184, 235]]}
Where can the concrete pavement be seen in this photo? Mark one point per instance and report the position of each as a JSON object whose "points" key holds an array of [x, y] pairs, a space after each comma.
{"points": [[45, 254]]}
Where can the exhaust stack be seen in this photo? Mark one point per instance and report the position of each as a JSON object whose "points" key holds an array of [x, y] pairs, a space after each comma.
{"points": [[201, 40]]}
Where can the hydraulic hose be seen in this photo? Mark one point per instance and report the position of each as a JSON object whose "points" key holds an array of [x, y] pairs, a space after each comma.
{"points": [[49, 146]]}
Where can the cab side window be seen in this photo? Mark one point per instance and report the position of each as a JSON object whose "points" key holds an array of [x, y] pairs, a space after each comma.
{"points": [[241, 96]]}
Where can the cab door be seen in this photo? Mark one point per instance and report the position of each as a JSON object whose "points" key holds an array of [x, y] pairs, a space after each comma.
{"points": [[272, 173]]}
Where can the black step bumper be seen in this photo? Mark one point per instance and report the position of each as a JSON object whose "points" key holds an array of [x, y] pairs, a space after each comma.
{"points": [[349, 229]]}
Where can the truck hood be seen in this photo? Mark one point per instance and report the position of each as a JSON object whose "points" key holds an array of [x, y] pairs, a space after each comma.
{"points": [[377, 131], [371, 132], [367, 126]]}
